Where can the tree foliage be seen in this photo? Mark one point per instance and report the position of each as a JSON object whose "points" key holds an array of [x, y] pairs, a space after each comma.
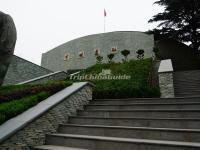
{"points": [[180, 20], [140, 54], [125, 53], [110, 57], [99, 59]]}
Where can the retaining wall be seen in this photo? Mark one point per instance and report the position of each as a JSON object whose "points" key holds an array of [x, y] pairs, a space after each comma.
{"points": [[30, 128]]}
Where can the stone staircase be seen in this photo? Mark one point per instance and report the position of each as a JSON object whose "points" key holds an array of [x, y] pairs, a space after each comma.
{"points": [[187, 83], [131, 124]]}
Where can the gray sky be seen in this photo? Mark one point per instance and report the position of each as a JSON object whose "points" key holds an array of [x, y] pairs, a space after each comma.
{"points": [[45, 24]]}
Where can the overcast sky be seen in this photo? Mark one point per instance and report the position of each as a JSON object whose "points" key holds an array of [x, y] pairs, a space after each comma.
{"points": [[44, 24]]}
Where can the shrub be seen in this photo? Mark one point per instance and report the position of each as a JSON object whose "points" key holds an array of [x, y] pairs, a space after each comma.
{"points": [[110, 57], [137, 86], [15, 107], [99, 59], [125, 53], [140, 54], [9, 93]]}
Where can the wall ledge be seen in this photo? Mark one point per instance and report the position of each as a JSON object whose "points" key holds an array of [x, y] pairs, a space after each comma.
{"points": [[15, 124], [165, 66], [41, 77]]}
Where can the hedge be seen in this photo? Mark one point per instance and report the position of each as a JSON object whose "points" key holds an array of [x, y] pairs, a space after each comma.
{"points": [[137, 86], [15, 107], [9, 93]]}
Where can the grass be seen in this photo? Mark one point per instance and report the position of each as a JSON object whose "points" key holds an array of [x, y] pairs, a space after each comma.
{"points": [[136, 86]]}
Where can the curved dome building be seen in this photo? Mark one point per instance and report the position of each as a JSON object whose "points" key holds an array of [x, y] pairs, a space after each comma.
{"points": [[81, 53]]}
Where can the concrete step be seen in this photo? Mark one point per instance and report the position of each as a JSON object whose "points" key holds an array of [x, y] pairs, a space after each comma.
{"points": [[184, 94], [187, 81], [191, 93], [185, 87], [181, 95], [185, 90], [190, 87], [53, 147], [189, 135], [113, 143], [145, 113], [140, 101], [178, 105], [145, 100], [185, 84], [187, 76], [182, 123], [187, 72]]}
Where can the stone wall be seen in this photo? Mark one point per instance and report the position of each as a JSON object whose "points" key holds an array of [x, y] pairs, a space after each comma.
{"points": [[165, 75], [166, 85], [34, 132], [22, 70], [60, 75], [131, 40]]}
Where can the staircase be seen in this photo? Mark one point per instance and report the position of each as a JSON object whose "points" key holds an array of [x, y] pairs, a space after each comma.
{"points": [[187, 83], [131, 124]]}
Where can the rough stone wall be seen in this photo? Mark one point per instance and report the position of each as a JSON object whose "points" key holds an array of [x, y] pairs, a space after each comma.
{"points": [[166, 84], [34, 133], [54, 59], [22, 70]]}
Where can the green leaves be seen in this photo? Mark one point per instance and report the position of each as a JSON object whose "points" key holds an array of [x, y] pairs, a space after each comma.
{"points": [[110, 57], [180, 21], [15, 107], [125, 53], [9, 93], [137, 86], [16, 99]]}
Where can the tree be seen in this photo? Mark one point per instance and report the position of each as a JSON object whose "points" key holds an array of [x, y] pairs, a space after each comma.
{"points": [[110, 57], [99, 59], [140, 53], [180, 21], [125, 53]]}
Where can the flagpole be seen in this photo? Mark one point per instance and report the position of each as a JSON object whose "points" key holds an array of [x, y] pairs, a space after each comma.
{"points": [[105, 20], [104, 24]]}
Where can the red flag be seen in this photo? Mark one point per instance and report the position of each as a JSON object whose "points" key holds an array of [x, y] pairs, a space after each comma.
{"points": [[105, 13]]}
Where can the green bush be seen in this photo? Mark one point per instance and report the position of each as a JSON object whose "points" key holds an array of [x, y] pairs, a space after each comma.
{"points": [[15, 107], [9, 93], [110, 57], [140, 54], [99, 59], [137, 86], [15, 99], [125, 53]]}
